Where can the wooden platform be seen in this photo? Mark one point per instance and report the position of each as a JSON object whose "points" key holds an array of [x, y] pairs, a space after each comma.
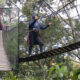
{"points": [[4, 62]]}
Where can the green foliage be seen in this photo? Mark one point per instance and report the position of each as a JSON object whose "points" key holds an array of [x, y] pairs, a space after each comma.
{"points": [[51, 70], [40, 1], [55, 29], [14, 24], [1, 2], [60, 71], [11, 76], [28, 8], [77, 24], [76, 74]]}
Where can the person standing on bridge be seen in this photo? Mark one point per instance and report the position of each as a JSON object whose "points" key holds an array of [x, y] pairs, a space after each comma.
{"points": [[34, 37]]}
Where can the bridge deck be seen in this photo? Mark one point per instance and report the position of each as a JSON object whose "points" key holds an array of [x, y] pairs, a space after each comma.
{"points": [[52, 52], [4, 63]]}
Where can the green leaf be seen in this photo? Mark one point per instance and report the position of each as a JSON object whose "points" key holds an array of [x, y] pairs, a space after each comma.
{"points": [[76, 74], [79, 76], [51, 70]]}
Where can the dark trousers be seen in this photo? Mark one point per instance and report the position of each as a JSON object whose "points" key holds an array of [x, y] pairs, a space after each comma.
{"points": [[35, 39], [0, 27]]}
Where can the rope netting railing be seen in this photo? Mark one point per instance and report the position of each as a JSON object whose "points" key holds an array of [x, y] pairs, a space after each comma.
{"points": [[9, 19], [10, 39]]}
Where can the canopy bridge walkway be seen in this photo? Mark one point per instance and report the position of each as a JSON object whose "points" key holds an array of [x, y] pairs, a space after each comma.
{"points": [[51, 53], [8, 40], [11, 46], [4, 62]]}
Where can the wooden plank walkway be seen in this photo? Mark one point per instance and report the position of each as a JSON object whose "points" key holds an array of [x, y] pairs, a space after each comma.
{"points": [[52, 52], [4, 63]]}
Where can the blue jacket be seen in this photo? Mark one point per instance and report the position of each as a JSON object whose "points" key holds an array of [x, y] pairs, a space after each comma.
{"points": [[36, 24]]}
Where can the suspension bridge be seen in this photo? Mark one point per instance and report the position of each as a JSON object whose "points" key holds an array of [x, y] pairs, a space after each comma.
{"points": [[59, 50], [9, 59], [4, 61], [8, 38], [51, 53]]}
